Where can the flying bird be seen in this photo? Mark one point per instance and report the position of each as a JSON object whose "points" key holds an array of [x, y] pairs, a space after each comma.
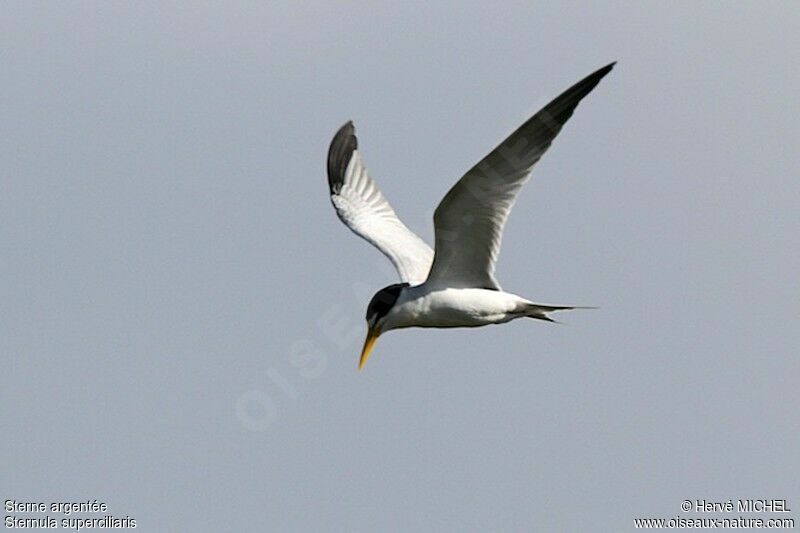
{"points": [[452, 285]]}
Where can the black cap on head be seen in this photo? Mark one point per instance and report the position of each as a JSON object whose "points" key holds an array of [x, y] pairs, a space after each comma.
{"points": [[383, 300]]}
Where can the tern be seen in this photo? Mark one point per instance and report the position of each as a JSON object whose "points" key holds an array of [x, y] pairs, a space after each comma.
{"points": [[452, 285]]}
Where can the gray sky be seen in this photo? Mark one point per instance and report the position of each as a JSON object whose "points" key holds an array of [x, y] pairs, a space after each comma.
{"points": [[182, 312]]}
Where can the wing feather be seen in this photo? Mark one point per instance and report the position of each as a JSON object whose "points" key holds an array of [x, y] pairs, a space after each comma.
{"points": [[469, 220], [361, 206]]}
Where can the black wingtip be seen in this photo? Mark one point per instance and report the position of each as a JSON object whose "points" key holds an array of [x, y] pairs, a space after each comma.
{"points": [[343, 145], [556, 113], [605, 70], [588, 83]]}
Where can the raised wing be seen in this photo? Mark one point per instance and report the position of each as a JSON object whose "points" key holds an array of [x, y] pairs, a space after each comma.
{"points": [[469, 220], [362, 207]]}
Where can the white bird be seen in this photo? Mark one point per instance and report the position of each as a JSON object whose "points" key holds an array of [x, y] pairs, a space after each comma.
{"points": [[454, 286]]}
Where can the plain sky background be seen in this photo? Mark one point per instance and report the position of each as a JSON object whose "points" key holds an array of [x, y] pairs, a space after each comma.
{"points": [[182, 312]]}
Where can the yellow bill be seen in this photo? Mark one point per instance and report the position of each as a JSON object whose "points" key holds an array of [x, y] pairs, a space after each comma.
{"points": [[372, 336]]}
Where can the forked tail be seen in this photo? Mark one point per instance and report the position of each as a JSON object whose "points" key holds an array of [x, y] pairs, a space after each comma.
{"points": [[539, 311]]}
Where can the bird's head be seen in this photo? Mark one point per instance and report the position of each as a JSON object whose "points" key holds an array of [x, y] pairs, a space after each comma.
{"points": [[379, 313]]}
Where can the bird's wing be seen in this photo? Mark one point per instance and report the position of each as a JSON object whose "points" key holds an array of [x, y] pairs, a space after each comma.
{"points": [[469, 220], [361, 206]]}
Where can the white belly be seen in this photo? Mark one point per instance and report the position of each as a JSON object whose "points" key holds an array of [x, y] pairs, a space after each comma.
{"points": [[449, 308]]}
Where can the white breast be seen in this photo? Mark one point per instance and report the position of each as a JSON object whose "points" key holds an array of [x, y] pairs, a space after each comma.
{"points": [[447, 308]]}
